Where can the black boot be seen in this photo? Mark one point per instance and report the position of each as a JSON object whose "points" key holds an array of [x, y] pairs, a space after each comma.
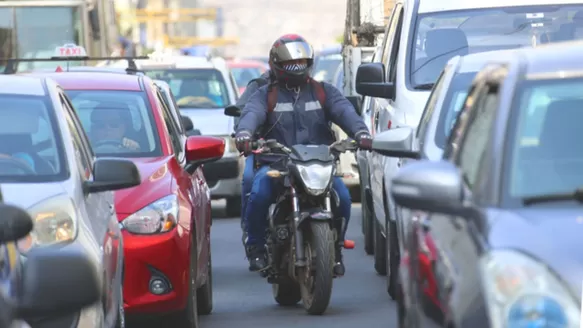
{"points": [[256, 256], [338, 263]]}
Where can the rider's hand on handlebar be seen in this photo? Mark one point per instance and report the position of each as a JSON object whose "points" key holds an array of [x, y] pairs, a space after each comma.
{"points": [[364, 140], [243, 142]]}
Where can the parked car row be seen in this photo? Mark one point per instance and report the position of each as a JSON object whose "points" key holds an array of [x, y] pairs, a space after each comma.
{"points": [[476, 163], [68, 139]]}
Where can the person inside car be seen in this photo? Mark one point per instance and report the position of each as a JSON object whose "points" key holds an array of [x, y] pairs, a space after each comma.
{"points": [[291, 111], [109, 127]]}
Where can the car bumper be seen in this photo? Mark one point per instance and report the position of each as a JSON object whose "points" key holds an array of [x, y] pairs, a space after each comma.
{"points": [[151, 257], [224, 176]]}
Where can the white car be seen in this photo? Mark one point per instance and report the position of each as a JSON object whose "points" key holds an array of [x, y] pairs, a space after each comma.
{"points": [[422, 36], [203, 87]]}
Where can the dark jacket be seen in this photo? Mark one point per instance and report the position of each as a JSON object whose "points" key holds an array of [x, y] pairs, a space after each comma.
{"points": [[302, 120], [251, 88]]}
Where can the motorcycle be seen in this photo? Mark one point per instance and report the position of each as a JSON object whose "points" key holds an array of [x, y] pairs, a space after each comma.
{"points": [[303, 234]]}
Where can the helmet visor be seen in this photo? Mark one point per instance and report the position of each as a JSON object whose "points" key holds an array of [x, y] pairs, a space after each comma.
{"points": [[293, 51]]}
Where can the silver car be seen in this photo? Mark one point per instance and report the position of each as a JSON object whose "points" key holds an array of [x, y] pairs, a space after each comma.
{"points": [[426, 142], [47, 167]]}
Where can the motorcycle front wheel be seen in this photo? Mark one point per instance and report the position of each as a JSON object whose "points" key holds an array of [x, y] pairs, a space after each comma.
{"points": [[316, 278]]}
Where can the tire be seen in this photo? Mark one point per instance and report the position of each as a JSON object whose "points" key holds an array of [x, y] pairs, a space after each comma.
{"points": [[401, 310], [392, 252], [319, 245], [367, 227], [204, 295], [120, 320], [380, 250], [233, 208], [287, 292], [188, 317]]}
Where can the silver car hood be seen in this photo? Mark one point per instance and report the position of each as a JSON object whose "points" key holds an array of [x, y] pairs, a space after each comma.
{"points": [[210, 121], [27, 195]]}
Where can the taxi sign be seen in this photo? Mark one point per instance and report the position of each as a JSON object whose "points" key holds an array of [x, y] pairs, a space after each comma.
{"points": [[70, 50]]}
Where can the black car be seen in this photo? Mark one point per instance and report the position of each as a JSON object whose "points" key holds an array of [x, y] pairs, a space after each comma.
{"points": [[505, 202]]}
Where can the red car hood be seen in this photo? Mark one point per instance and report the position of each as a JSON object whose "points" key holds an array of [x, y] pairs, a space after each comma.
{"points": [[156, 183]]}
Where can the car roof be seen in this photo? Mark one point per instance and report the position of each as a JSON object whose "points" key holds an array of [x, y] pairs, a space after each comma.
{"points": [[94, 80], [22, 85], [473, 63], [177, 61], [555, 60], [428, 6], [245, 63]]}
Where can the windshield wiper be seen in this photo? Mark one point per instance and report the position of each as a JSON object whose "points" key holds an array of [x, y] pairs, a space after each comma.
{"points": [[424, 86], [577, 195]]}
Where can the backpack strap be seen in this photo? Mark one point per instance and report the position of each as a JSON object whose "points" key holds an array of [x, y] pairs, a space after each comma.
{"points": [[271, 98], [320, 92]]}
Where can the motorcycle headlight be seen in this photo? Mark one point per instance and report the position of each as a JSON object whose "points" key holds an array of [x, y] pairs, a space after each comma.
{"points": [[522, 292], [158, 217], [54, 223], [316, 177]]}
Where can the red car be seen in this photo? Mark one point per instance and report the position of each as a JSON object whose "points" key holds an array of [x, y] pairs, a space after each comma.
{"points": [[246, 70], [166, 220]]}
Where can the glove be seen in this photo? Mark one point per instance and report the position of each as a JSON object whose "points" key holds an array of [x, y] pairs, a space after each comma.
{"points": [[243, 142], [364, 140]]}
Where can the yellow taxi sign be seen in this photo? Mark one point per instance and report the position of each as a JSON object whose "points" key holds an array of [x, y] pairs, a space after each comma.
{"points": [[70, 50]]}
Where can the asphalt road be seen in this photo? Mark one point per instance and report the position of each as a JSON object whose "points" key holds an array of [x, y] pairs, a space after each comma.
{"points": [[243, 299]]}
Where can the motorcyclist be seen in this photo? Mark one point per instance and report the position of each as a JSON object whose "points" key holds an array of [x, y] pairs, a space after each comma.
{"points": [[249, 171], [297, 118]]}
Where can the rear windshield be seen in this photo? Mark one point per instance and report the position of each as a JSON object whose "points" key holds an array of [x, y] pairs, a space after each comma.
{"points": [[118, 123], [194, 88]]}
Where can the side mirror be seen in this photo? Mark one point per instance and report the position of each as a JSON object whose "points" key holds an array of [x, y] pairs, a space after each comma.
{"points": [[15, 223], [430, 186], [355, 101], [371, 81], [233, 111], [186, 123], [56, 282], [395, 142], [113, 174], [203, 149]]}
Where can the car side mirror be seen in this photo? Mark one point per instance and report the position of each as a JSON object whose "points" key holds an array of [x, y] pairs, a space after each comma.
{"points": [[56, 282], [356, 102], [431, 186], [203, 149], [113, 174], [395, 142], [371, 81], [15, 223], [233, 111], [186, 123]]}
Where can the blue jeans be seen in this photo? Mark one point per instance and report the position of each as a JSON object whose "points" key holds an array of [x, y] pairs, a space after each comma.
{"points": [[264, 193], [246, 184]]}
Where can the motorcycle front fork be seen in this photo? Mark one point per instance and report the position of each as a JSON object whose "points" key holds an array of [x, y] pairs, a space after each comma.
{"points": [[298, 235]]}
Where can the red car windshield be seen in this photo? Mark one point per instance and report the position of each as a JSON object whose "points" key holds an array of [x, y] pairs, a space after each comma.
{"points": [[118, 123]]}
